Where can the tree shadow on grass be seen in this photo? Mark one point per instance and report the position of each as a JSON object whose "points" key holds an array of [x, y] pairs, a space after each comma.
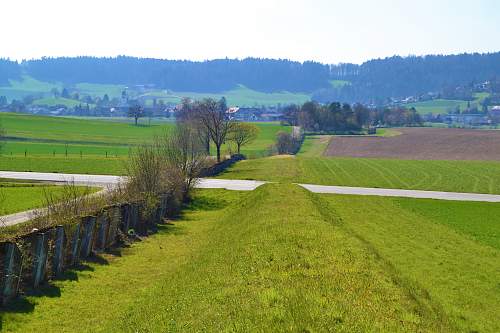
{"points": [[25, 302]]}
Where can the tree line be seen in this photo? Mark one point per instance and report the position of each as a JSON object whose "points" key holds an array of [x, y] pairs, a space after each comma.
{"points": [[376, 80], [373, 81], [345, 118], [268, 75]]}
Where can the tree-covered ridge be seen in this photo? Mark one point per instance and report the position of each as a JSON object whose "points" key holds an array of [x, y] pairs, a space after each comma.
{"points": [[374, 81], [411, 76], [8, 70], [266, 75]]}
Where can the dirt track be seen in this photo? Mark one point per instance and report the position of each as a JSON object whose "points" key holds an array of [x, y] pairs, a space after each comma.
{"points": [[422, 144]]}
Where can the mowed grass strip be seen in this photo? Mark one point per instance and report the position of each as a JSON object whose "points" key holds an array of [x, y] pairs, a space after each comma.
{"points": [[449, 263], [237, 262], [309, 167]]}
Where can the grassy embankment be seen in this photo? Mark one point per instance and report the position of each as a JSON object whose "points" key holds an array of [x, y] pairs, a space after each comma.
{"points": [[256, 262], [47, 139]]}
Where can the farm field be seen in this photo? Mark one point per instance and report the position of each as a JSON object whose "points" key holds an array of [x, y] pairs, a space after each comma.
{"points": [[438, 106], [238, 96], [75, 145], [265, 270], [19, 197], [306, 167], [425, 143]]}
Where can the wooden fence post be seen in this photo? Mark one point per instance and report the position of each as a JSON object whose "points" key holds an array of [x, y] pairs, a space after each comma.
{"points": [[40, 252], [11, 272], [58, 259]]}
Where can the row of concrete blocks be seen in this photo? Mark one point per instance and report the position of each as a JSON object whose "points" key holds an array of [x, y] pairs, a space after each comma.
{"points": [[33, 259]]}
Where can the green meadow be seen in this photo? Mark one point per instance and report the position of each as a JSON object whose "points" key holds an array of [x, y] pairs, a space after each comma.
{"points": [[238, 96], [443, 106], [19, 196], [283, 259], [309, 166], [76, 145]]}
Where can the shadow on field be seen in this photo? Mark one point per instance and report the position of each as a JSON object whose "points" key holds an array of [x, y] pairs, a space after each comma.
{"points": [[26, 302]]}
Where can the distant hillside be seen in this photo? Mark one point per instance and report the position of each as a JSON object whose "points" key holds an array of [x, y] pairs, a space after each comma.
{"points": [[266, 75], [8, 70], [410, 76], [373, 81]]}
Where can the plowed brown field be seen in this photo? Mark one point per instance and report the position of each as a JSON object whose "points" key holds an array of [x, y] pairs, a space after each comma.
{"points": [[422, 144]]}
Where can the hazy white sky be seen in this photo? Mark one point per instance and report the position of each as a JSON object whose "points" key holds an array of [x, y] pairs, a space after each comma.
{"points": [[327, 31]]}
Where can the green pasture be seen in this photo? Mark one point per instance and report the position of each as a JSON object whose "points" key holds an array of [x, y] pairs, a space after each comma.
{"points": [[79, 130], [283, 259], [96, 89], [238, 96], [17, 197], [53, 101], [438, 106], [309, 167], [17, 89], [76, 145]]}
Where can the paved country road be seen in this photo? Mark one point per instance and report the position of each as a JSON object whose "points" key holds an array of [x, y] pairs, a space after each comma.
{"points": [[104, 181], [237, 185], [418, 194], [107, 182]]}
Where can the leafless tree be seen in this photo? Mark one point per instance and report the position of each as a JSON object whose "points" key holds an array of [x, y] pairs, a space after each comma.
{"points": [[136, 111], [212, 114], [188, 114], [184, 156], [242, 134], [284, 142], [144, 170]]}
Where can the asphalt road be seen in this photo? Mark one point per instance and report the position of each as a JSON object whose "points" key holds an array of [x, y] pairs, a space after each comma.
{"points": [[402, 193], [105, 182], [236, 185]]}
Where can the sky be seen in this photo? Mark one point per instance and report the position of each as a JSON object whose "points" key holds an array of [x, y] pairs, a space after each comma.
{"points": [[332, 31]]}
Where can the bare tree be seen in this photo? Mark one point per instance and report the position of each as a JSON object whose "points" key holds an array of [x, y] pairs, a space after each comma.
{"points": [[212, 114], [188, 114], [136, 111], [284, 142], [184, 155], [144, 170], [242, 134]]}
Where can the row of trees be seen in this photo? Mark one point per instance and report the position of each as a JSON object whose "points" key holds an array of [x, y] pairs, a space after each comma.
{"points": [[175, 160], [213, 125], [337, 117]]}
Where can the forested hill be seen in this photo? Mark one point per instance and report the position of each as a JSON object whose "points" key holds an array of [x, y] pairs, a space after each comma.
{"points": [[370, 81], [410, 76], [266, 75], [8, 70]]}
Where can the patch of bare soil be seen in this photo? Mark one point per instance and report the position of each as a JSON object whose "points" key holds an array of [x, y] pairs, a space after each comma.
{"points": [[422, 144]]}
